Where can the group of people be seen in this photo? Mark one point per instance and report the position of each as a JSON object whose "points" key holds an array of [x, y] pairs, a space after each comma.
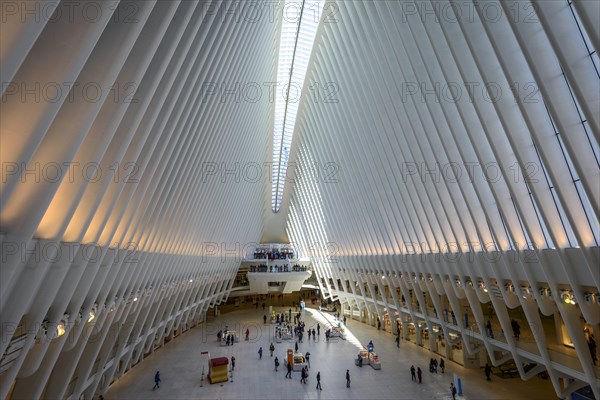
{"points": [[328, 334], [296, 331], [300, 328], [273, 255], [277, 268], [299, 268], [228, 337], [416, 374], [259, 268], [304, 375], [299, 331], [282, 318], [433, 365], [304, 371]]}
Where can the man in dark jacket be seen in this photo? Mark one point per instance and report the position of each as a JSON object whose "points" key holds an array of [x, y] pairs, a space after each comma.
{"points": [[156, 380], [347, 378], [319, 381], [488, 371]]}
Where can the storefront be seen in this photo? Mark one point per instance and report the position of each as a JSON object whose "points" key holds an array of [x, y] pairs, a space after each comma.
{"points": [[456, 354], [387, 324], [424, 332]]}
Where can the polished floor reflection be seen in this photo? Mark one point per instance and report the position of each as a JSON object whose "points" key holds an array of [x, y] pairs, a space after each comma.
{"points": [[180, 366]]}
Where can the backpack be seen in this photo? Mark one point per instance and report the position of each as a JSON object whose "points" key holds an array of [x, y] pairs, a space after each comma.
{"points": [[453, 390]]}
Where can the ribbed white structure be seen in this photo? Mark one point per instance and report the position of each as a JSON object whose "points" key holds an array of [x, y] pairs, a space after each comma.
{"points": [[440, 148], [459, 152], [298, 30], [149, 146]]}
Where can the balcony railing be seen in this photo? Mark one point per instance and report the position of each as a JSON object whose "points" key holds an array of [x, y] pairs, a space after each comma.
{"points": [[278, 268]]}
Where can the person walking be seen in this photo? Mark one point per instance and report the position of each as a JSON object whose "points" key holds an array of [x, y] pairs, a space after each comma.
{"points": [[344, 320], [264, 319], [276, 363], [398, 340], [453, 390], [347, 378], [232, 363], [260, 353], [314, 336], [419, 374], [309, 332], [289, 370], [442, 365], [488, 327], [592, 346], [271, 349], [516, 328], [156, 380], [319, 381], [318, 329], [307, 356], [412, 373], [296, 347], [488, 371], [304, 374]]}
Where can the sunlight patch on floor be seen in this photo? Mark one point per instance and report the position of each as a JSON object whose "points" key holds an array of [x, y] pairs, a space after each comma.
{"points": [[330, 320]]}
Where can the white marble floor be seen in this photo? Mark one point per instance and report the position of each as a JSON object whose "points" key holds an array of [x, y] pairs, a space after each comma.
{"points": [[253, 378]]}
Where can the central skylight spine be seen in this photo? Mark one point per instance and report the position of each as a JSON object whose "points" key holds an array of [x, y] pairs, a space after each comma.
{"points": [[298, 31]]}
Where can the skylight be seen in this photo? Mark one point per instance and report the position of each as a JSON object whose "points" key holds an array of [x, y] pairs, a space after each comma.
{"points": [[298, 31]]}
